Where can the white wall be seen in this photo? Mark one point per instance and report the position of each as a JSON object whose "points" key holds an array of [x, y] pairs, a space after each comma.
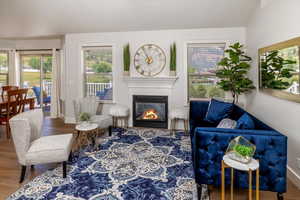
{"points": [[74, 70], [6, 44], [28, 44], [278, 21], [38, 44]]}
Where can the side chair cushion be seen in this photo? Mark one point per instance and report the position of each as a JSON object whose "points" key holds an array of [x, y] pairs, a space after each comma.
{"points": [[103, 121], [50, 149]]}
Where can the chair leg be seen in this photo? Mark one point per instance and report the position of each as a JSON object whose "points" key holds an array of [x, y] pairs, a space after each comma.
{"points": [[280, 196], [64, 164], [7, 130], [70, 156], [109, 130], [23, 172], [172, 126]]}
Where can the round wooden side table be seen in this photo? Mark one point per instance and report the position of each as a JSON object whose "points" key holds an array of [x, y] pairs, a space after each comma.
{"points": [[227, 162], [85, 133]]}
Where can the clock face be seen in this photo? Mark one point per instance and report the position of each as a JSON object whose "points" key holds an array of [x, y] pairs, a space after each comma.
{"points": [[149, 60]]}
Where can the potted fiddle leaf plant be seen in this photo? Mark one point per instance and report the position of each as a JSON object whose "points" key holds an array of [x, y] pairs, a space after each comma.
{"points": [[233, 70], [126, 59], [173, 59]]}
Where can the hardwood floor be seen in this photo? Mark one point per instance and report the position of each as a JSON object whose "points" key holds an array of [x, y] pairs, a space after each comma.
{"points": [[10, 169]]}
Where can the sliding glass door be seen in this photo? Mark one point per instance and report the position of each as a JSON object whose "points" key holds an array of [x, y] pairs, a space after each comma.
{"points": [[36, 74]]}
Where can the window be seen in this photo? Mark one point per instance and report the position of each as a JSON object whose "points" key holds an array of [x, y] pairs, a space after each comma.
{"points": [[97, 63], [3, 68], [202, 60], [36, 74]]}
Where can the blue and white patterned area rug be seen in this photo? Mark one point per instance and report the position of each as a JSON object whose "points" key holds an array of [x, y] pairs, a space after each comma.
{"points": [[143, 164]]}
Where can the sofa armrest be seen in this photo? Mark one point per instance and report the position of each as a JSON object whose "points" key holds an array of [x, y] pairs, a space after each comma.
{"points": [[210, 145]]}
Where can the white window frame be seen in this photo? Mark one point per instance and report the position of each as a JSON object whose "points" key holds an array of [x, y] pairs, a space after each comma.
{"points": [[185, 58], [84, 46]]}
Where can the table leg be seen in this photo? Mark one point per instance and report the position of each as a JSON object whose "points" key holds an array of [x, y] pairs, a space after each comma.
{"points": [[232, 182], [31, 105], [250, 184], [223, 182], [257, 184]]}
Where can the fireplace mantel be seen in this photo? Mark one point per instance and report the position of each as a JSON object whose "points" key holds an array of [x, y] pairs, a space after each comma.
{"points": [[150, 82]]}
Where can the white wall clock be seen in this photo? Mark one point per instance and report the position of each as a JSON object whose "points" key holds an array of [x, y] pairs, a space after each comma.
{"points": [[149, 60]]}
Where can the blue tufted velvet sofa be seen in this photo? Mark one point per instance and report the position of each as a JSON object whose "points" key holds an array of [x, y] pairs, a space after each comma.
{"points": [[209, 145]]}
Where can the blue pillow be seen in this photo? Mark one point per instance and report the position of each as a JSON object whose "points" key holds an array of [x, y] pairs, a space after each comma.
{"points": [[218, 110], [245, 122]]}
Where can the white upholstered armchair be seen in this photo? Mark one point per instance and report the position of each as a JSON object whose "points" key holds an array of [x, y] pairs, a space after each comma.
{"points": [[94, 108], [32, 148]]}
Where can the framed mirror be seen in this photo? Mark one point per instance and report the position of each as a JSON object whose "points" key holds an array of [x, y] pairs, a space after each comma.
{"points": [[279, 70]]}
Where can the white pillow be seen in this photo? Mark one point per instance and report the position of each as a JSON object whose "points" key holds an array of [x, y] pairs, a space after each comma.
{"points": [[227, 123]]}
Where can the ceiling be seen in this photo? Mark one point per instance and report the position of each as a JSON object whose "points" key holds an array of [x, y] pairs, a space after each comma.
{"points": [[29, 18]]}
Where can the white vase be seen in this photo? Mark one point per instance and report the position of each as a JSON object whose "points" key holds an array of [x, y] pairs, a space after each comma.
{"points": [[126, 73], [172, 73]]}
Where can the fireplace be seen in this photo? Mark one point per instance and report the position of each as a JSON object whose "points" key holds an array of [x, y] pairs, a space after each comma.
{"points": [[150, 111]]}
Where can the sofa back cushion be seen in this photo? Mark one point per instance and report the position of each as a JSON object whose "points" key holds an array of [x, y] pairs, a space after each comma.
{"points": [[245, 122], [237, 113], [198, 110], [218, 110]]}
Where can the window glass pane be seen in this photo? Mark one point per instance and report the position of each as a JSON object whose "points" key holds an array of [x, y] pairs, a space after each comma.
{"points": [[3, 68], [202, 60], [31, 69], [98, 72]]}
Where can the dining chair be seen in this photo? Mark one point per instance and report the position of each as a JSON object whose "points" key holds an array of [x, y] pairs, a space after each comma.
{"points": [[7, 88], [32, 148], [14, 104]]}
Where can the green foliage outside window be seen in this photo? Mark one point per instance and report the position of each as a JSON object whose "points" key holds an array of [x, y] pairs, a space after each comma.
{"points": [[102, 67], [3, 60], [35, 63]]}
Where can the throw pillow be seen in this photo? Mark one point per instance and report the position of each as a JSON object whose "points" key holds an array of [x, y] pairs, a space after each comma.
{"points": [[227, 123], [218, 110], [245, 122]]}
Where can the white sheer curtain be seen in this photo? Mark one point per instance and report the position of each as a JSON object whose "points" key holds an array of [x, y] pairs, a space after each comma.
{"points": [[14, 68], [55, 89]]}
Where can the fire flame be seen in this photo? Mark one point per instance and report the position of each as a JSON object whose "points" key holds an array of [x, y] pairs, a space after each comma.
{"points": [[150, 114]]}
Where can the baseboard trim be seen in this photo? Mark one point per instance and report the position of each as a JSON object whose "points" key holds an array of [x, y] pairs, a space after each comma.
{"points": [[70, 120], [293, 176]]}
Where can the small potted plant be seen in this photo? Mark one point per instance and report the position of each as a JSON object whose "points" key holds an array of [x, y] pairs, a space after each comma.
{"points": [[84, 118], [126, 59], [241, 150], [173, 60]]}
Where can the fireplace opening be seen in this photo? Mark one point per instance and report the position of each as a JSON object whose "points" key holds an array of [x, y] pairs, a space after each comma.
{"points": [[150, 114], [150, 111]]}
